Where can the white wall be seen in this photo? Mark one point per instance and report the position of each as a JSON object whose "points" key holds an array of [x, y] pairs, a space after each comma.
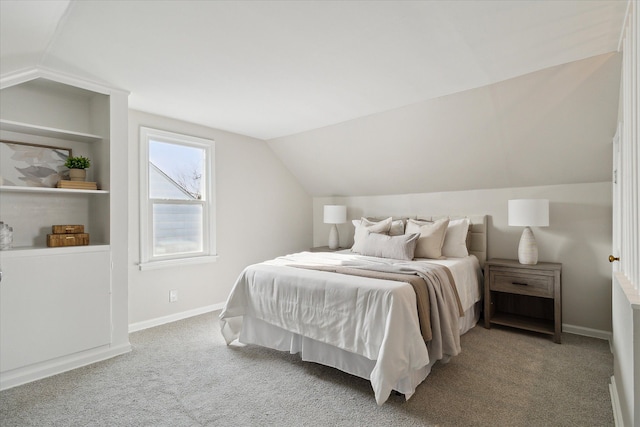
{"points": [[579, 236], [262, 212]]}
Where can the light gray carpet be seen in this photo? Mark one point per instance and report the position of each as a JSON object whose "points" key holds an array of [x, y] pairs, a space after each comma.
{"points": [[182, 374]]}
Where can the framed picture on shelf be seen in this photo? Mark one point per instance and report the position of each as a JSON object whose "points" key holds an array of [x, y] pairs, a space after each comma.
{"points": [[32, 165]]}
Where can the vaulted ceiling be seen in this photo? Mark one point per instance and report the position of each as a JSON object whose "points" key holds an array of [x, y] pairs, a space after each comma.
{"points": [[269, 69]]}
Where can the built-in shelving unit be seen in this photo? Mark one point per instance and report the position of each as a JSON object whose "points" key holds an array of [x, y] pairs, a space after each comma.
{"points": [[53, 114], [62, 307]]}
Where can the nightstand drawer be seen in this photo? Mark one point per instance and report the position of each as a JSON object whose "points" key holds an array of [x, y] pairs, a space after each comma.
{"points": [[523, 284]]}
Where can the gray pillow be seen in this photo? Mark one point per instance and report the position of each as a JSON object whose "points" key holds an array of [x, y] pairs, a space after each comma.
{"points": [[397, 225], [384, 246]]}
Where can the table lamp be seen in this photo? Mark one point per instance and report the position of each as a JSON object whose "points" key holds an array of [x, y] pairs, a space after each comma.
{"points": [[334, 214], [528, 213]]}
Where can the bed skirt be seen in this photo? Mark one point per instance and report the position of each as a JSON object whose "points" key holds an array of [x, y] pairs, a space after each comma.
{"points": [[258, 332]]}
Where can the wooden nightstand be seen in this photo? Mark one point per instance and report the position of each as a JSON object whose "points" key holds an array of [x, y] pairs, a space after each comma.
{"points": [[523, 296], [324, 249]]}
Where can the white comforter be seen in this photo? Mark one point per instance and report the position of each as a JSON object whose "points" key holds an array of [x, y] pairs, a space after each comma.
{"points": [[373, 318]]}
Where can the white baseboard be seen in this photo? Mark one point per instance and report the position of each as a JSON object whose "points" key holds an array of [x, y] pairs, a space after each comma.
{"points": [[59, 365], [587, 332], [145, 324], [615, 403]]}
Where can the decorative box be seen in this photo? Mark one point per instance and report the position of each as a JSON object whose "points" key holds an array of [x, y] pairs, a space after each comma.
{"points": [[67, 229], [77, 239]]}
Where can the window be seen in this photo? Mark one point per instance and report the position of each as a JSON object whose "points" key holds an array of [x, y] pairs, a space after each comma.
{"points": [[177, 209]]}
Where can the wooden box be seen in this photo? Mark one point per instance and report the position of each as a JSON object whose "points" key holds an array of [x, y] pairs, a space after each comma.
{"points": [[57, 240], [67, 229]]}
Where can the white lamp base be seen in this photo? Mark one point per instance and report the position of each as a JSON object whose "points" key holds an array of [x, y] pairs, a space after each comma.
{"points": [[334, 240], [528, 249]]}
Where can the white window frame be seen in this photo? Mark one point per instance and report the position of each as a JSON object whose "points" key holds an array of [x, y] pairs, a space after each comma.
{"points": [[208, 254]]}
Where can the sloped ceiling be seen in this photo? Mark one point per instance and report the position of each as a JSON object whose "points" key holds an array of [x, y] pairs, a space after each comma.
{"points": [[358, 97], [269, 69], [549, 127]]}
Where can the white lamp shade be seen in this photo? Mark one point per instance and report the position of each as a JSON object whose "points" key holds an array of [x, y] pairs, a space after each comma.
{"points": [[335, 214], [529, 212]]}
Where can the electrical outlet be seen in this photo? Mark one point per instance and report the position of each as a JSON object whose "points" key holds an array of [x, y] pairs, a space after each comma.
{"points": [[173, 296]]}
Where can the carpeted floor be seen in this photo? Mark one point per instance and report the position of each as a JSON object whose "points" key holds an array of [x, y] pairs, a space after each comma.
{"points": [[182, 374]]}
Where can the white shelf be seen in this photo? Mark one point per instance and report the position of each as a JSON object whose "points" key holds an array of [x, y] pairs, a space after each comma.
{"points": [[29, 251], [30, 129], [16, 189]]}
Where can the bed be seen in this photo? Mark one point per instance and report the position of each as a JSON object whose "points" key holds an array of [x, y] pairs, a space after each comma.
{"points": [[381, 310]]}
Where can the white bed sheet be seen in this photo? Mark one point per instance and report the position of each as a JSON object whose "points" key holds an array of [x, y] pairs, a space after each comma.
{"points": [[468, 276], [368, 328]]}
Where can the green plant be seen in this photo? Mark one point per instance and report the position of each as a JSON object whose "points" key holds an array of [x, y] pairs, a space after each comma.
{"points": [[78, 162]]}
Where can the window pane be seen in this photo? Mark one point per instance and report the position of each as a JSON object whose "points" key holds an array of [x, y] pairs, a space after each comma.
{"points": [[177, 229], [175, 171]]}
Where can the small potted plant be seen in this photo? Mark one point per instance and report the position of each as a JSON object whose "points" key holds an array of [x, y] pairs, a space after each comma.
{"points": [[77, 166]]}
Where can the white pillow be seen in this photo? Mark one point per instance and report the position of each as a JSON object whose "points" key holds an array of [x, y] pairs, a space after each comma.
{"points": [[455, 239], [431, 237], [364, 227], [396, 247]]}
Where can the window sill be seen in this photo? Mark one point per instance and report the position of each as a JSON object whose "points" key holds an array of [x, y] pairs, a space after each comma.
{"points": [[154, 265]]}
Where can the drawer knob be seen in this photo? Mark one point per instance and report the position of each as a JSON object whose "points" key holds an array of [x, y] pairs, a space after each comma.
{"points": [[613, 258]]}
